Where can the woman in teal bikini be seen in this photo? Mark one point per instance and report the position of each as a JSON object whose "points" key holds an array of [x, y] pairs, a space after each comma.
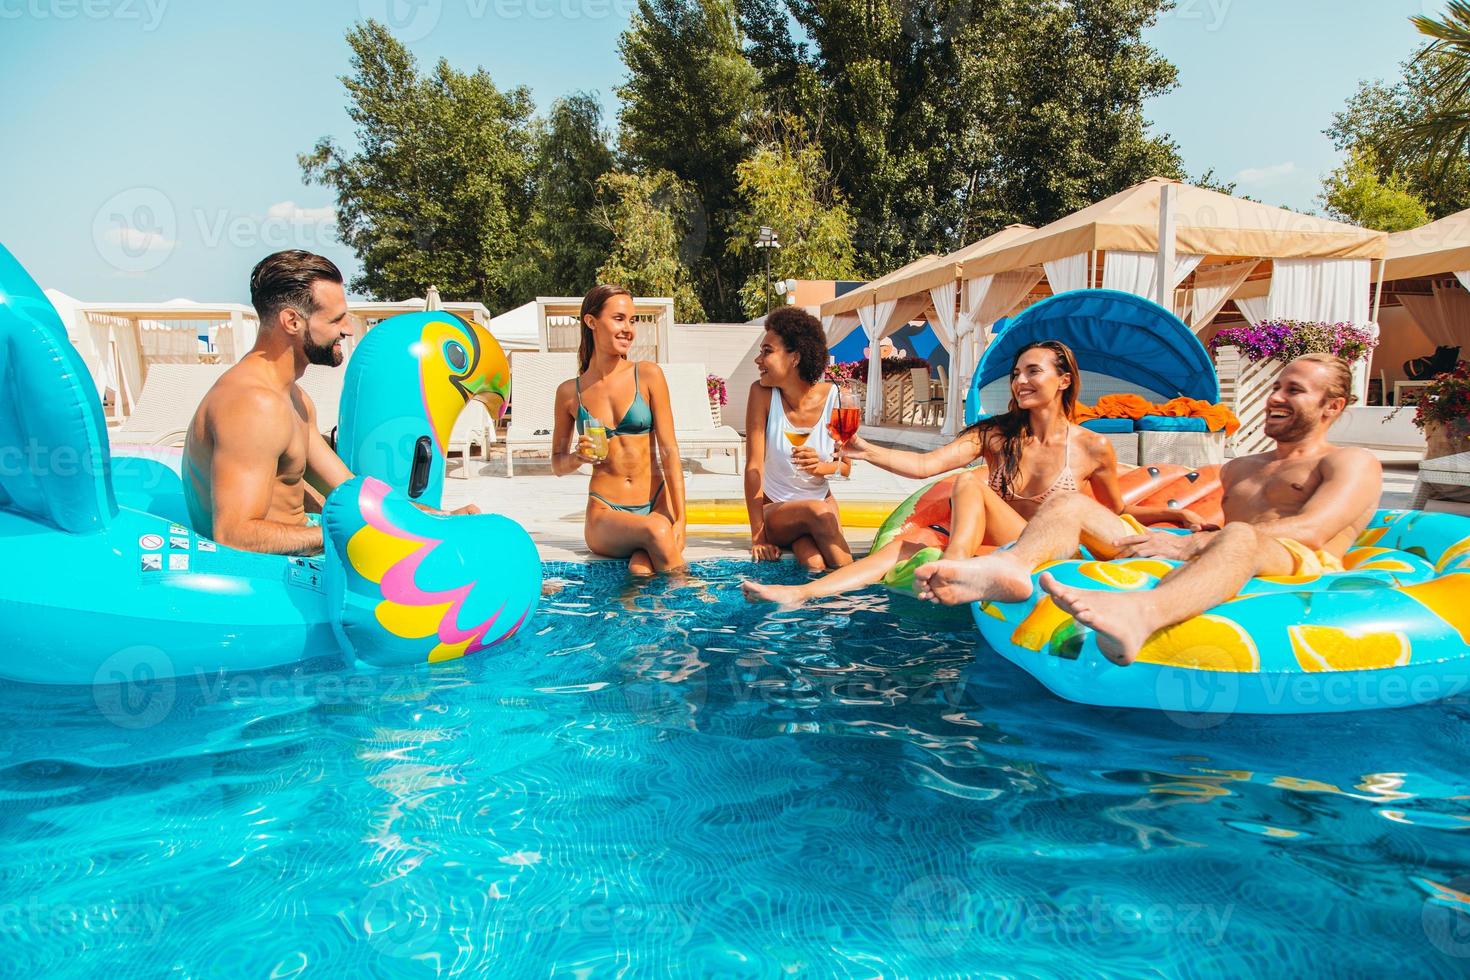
{"points": [[635, 502]]}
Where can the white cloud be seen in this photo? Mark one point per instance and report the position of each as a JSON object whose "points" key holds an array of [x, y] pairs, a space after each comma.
{"points": [[1266, 175], [137, 241], [288, 211]]}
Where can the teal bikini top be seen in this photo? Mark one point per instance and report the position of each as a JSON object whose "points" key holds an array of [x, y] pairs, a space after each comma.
{"points": [[637, 420]]}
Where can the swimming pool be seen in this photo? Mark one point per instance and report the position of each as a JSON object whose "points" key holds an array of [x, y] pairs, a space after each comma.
{"points": [[660, 779]]}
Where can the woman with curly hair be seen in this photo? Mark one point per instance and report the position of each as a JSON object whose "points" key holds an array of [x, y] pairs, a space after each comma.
{"points": [[789, 449]]}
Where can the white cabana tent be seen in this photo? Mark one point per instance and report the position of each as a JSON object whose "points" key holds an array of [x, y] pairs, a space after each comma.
{"points": [[877, 317], [118, 341], [518, 329], [1212, 247], [1428, 273]]}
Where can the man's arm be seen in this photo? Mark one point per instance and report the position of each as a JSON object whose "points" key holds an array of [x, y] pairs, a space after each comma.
{"points": [[1352, 482], [325, 470], [248, 443]]}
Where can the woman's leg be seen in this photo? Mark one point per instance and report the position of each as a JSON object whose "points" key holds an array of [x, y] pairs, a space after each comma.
{"points": [[857, 575], [808, 555], [647, 540], [978, 516], [791, 520]]}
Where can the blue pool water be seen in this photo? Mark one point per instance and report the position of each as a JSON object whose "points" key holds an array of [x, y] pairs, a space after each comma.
{"points": [[662, 780]]}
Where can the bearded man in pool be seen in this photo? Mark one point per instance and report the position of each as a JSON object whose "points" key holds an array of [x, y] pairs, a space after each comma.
{"points": [[1292, 511], [253, 446]]}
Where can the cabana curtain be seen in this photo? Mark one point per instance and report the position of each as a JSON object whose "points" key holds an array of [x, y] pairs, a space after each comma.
{"points": [[1137, 272], [838, 326], [1329, 290], [987, 299], [1067, 274], [946, 324], [1444, 316], [1213, 287]]}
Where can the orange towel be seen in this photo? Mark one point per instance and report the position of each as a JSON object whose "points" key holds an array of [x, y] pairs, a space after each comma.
{"points": [[1217, 417], [1124, 407]]}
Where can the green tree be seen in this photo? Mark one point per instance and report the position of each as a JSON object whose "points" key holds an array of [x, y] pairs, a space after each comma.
{"points": [[1377, 117], [947, 119], [1356, 192], [564, 244], [1441, 133], [646, 216], [687, 105], [785, 186], [438, 191]]}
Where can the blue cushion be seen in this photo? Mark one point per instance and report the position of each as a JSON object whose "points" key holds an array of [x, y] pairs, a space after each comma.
{"points": [[1169, 423], [1109, 425]]}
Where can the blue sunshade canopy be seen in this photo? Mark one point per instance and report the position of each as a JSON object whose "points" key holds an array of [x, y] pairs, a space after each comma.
{"points": [[1124, 345]]}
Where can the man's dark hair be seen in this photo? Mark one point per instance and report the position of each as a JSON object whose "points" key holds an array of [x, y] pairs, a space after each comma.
{"points": [[802, 334], [284, 280]]}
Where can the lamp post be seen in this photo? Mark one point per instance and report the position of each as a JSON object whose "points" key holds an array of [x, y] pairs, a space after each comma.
{"points": [[768, 240]]}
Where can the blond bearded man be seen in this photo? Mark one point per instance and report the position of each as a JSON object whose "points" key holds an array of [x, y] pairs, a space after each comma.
{"points": [[1292, 511]]}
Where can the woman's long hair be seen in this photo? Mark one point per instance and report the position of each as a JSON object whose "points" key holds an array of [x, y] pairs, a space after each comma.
{"points": [[592, 305], [1015, 424]]}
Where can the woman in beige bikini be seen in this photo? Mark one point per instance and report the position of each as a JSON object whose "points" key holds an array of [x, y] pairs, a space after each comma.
{"points": [[1031, 453]]}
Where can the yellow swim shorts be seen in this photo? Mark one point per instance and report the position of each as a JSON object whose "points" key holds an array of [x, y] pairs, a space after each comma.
{"points": [[1306, 561]]}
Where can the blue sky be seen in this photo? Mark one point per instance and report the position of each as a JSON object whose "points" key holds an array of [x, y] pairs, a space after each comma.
{"points": [[150, 145]]}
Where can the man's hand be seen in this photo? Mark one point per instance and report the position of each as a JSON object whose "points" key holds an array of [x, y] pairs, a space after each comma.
{"points": [[1189, 519], [1157, 544]]}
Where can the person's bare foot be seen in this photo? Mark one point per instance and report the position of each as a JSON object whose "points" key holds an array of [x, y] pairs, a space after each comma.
{"points": [[994, 578], [788, 596], [1121, 620]]}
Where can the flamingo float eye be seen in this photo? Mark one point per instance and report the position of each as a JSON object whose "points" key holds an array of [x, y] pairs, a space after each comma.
{"points": [[456, 356]]}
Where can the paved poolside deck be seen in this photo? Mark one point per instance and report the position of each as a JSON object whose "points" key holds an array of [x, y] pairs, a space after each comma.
{"points": [[551, 508]]}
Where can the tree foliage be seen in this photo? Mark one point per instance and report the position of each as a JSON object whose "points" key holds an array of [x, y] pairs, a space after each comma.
{"points": [[646, 217], [947, 119], [688, 103], [1377, 118], [564, 244], [784, 185], [1357, 193], [438, 191]]}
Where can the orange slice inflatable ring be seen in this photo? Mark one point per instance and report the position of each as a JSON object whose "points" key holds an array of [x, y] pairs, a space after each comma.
{"points": [[1391, 630]]}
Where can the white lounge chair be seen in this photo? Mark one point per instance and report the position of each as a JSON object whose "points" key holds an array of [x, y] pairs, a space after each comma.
{"points": [[171, 394], [697, 423], [1445, 473], [534, 378], [474, 427], [323, 385]]}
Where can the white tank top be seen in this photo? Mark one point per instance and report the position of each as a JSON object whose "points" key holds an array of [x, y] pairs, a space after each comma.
{"points": [[783, 481]]}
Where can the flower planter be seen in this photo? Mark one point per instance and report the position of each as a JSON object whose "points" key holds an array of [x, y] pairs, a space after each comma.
{"points": [[1447, 440]]}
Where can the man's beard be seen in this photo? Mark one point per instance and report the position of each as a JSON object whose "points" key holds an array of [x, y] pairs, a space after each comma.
{"points": [[327, 355], [1294, 429]]}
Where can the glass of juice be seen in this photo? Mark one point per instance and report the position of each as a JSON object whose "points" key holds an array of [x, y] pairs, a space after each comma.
{"points": [[846, 418], [598, 434], [798, 437]]}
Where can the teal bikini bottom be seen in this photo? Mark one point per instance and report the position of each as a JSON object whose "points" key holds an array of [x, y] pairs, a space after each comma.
{"points": [[642, 510]]}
